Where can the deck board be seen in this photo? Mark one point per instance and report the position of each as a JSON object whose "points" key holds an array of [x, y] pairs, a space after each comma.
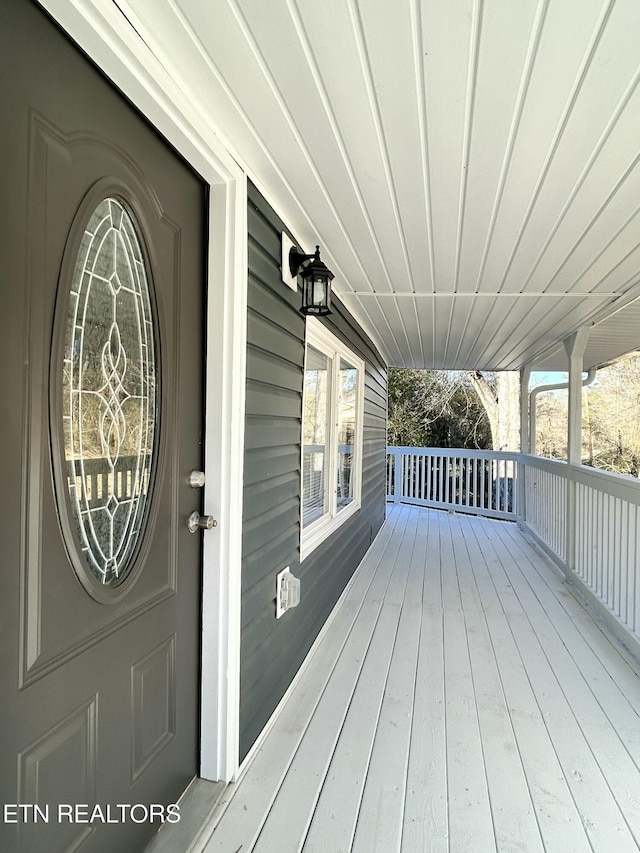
{"points": [[462, 698]]}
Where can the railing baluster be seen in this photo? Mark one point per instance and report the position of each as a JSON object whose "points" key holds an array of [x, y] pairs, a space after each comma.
{"points": [[405, 462], [624, 560], [447, 478], [467, 481], [414, 492], [615, 567], [484, 503], [473, 482], [634, 531], [598, 565]]}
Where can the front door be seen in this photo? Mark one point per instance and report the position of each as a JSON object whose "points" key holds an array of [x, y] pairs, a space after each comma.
{"points": [[101, 351]]}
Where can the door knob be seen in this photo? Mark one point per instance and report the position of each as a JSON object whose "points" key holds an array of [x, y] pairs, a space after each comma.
{"points": [[201, 522]]}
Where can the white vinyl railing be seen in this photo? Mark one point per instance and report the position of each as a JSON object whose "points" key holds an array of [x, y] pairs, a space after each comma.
{"points": [[476, 481], [587, 521], [607, 541], [544, 507]]}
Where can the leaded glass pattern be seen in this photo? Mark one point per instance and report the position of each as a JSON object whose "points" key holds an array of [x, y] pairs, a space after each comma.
{"points": [[109, 391]]}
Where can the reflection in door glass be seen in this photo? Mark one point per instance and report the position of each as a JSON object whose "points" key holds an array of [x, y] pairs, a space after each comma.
{"points": [[109, 391], [315, 403], [347, 402]]}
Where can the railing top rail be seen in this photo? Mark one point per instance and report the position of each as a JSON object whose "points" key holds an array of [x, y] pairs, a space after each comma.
{"points": [[619, 485], [544, 463], [457, 452]]}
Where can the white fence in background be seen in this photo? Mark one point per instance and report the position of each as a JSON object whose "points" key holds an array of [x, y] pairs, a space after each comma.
{"points": [[587, 521]]}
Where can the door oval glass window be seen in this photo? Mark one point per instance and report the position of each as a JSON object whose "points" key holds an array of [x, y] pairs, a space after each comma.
{"points": [[109, 393]]}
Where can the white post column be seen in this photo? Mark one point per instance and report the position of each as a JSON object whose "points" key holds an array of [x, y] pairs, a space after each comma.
{"points": [[397, 476], [525, 438], [575, 346], [525, 441]]}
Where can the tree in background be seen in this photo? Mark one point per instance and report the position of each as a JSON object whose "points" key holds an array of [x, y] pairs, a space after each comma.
{"points": [[552, 419], [432, 408], [500, 395], [435, 408], [611, 418]]}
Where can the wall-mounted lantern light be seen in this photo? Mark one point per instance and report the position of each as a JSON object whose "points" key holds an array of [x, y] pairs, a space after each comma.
{"points": [[316, 282]]}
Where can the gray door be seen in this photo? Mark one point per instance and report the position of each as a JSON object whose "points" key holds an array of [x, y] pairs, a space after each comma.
{"points": [[101, 379]]}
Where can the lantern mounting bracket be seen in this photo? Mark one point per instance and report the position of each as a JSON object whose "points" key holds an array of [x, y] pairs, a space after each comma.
{"points": [[296, 259]]}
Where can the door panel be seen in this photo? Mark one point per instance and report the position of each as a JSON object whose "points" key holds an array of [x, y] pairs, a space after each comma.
{"points": [[100, 685]]}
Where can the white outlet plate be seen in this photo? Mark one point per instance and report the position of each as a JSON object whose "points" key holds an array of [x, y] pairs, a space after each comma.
{"points": [[280, 608], [287, 591]]}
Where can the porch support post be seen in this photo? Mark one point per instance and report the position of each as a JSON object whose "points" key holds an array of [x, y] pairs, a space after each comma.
{"points": [[525, 438], [397, 476], [525, 441], [575, 346]]}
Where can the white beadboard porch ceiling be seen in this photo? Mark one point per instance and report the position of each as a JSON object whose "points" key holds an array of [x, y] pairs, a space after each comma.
{"points": [[470, 168]]}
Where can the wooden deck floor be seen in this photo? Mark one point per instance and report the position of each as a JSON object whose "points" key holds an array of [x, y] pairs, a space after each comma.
{"points": [[462, 700]]}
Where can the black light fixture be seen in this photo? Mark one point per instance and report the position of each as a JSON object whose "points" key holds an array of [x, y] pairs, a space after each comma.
{"points": [[316, 282]]}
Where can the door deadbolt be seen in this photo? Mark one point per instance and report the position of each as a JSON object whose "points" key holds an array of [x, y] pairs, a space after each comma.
{"points": [[201, 522], [196, 479]]}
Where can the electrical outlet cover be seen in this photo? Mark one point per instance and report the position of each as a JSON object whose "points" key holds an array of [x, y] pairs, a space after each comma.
{"points": [[287, 591], [280, 604]]}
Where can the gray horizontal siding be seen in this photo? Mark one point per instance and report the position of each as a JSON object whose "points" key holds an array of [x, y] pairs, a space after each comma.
{"points": [[272, 650]]}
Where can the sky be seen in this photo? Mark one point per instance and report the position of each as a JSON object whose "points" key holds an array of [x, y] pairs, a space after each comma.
{"points": [[540, 377]]}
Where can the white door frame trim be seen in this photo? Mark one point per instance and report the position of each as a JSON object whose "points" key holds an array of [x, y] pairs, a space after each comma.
{"points": [[107, 37]]}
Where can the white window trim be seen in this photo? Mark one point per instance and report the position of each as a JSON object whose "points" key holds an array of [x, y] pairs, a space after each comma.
{"points": [[311, 537]]}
